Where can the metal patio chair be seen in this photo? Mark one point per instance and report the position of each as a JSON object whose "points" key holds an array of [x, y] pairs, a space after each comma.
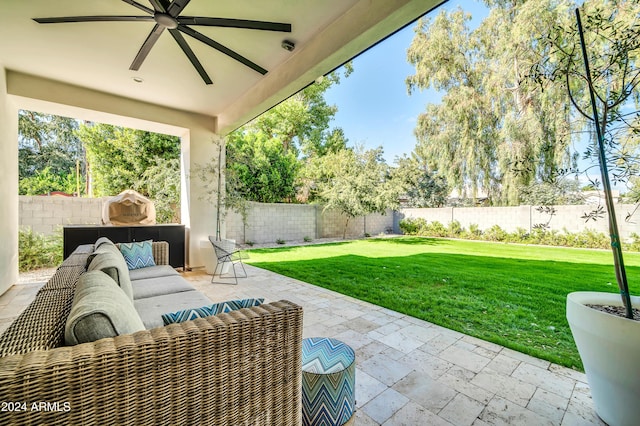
{"points": [[226, 252]]}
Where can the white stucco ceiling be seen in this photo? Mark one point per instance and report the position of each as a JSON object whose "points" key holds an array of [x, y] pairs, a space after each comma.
{"points": [[97, 55]]}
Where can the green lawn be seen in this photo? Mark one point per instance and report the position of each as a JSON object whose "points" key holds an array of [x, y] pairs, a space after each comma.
{"points": [[510, 294]]}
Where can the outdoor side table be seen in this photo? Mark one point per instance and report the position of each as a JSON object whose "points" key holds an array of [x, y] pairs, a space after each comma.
{"points": [[328, 382]]}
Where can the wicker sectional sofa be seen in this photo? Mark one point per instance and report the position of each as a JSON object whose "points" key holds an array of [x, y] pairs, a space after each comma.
{"points": [[239, 368]]}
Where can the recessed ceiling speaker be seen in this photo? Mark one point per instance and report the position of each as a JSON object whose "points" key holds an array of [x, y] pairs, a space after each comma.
{"points": [[288, 45]]}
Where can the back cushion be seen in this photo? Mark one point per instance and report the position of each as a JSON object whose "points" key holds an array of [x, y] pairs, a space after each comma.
{"points": [[108, 259], [100, 309]]}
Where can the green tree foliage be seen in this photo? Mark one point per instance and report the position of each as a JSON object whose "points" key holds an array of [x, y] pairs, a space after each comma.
{"points": [[44, 181], [422, 187], [612, 38], [495, 130], [263, 170], [47, 153], [562, 191], [267, 158], [356, 182], [121, 158]]}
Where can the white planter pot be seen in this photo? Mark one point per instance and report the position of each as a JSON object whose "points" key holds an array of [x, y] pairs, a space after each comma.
{"points": [[610, 350]]}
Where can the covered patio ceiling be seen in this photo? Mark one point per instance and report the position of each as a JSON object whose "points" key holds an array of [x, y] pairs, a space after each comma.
{"points": [[82, 70], [98, 55]]}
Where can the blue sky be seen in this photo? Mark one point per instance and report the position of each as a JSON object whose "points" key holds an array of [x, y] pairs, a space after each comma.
{"points": [[374, 108]]}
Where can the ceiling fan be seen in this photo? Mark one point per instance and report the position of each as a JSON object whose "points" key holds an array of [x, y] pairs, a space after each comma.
{"points": [[166, 15]]}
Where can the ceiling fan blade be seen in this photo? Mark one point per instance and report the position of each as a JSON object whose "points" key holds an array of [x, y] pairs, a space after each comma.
{"points": [[160, 5], [177, 6], [235, 23], [146, 47], [139, 6], [93, 19], [206, 40], [192, 56]]}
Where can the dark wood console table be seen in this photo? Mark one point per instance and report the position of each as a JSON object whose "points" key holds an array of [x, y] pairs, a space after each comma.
{"points": [[174, 234]]}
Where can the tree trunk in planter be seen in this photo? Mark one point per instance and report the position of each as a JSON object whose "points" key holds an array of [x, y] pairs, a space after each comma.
{"points": [[609, 346]]}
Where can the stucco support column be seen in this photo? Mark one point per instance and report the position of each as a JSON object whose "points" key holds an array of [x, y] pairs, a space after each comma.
{"points": [[198, 206], [8, 188]]}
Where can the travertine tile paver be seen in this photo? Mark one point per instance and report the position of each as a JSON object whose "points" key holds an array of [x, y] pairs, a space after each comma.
{"points": [[500, 411], [506, 386], [362, 325], [363, 420], [385, 369], [357, 340], [503, 364], [400, 342], [427, 363], [367, 388], [423, 333], [464, 358], [544, 379], [548, 405], [385, 405], [526, 358], [429, 393], [413, 414], [462, 410], [408, 371], [373, 348], [438, 343], [464, 387]]}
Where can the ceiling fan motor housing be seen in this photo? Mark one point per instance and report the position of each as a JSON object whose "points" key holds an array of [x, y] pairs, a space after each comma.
{"points": [[166, 20]]}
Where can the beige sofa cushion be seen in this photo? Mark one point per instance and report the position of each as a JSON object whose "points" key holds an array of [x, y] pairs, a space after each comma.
{"points": [[100, 309], [160, 285], [151, 309], [152, 272]]}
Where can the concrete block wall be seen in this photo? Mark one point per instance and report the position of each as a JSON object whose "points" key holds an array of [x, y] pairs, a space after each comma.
{"points": [[508, 218], [377, 223], [333, 222], [443, 215], [44, 214], [268, 222], [526, 217]]}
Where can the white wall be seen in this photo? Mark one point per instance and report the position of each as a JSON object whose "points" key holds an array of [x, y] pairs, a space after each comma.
{"points": [[197, 133], [8, 188]]}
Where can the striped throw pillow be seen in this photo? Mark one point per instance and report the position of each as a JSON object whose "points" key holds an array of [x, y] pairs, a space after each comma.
{"points": [[137, 255], [207, 311]]}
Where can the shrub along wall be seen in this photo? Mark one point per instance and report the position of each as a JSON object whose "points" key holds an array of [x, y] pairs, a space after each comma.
{"points": [[585, 237], [524, 219]]}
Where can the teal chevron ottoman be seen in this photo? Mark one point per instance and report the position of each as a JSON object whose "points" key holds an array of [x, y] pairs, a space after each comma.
{"points": [[328, 382]]}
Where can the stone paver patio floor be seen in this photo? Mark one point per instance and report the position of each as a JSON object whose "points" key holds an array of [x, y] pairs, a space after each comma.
{"points": [[409, 371]]}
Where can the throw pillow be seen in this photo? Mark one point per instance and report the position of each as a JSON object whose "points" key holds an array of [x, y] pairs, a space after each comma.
{"points": [[137, 255], [207, 311], [100, 309]]}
